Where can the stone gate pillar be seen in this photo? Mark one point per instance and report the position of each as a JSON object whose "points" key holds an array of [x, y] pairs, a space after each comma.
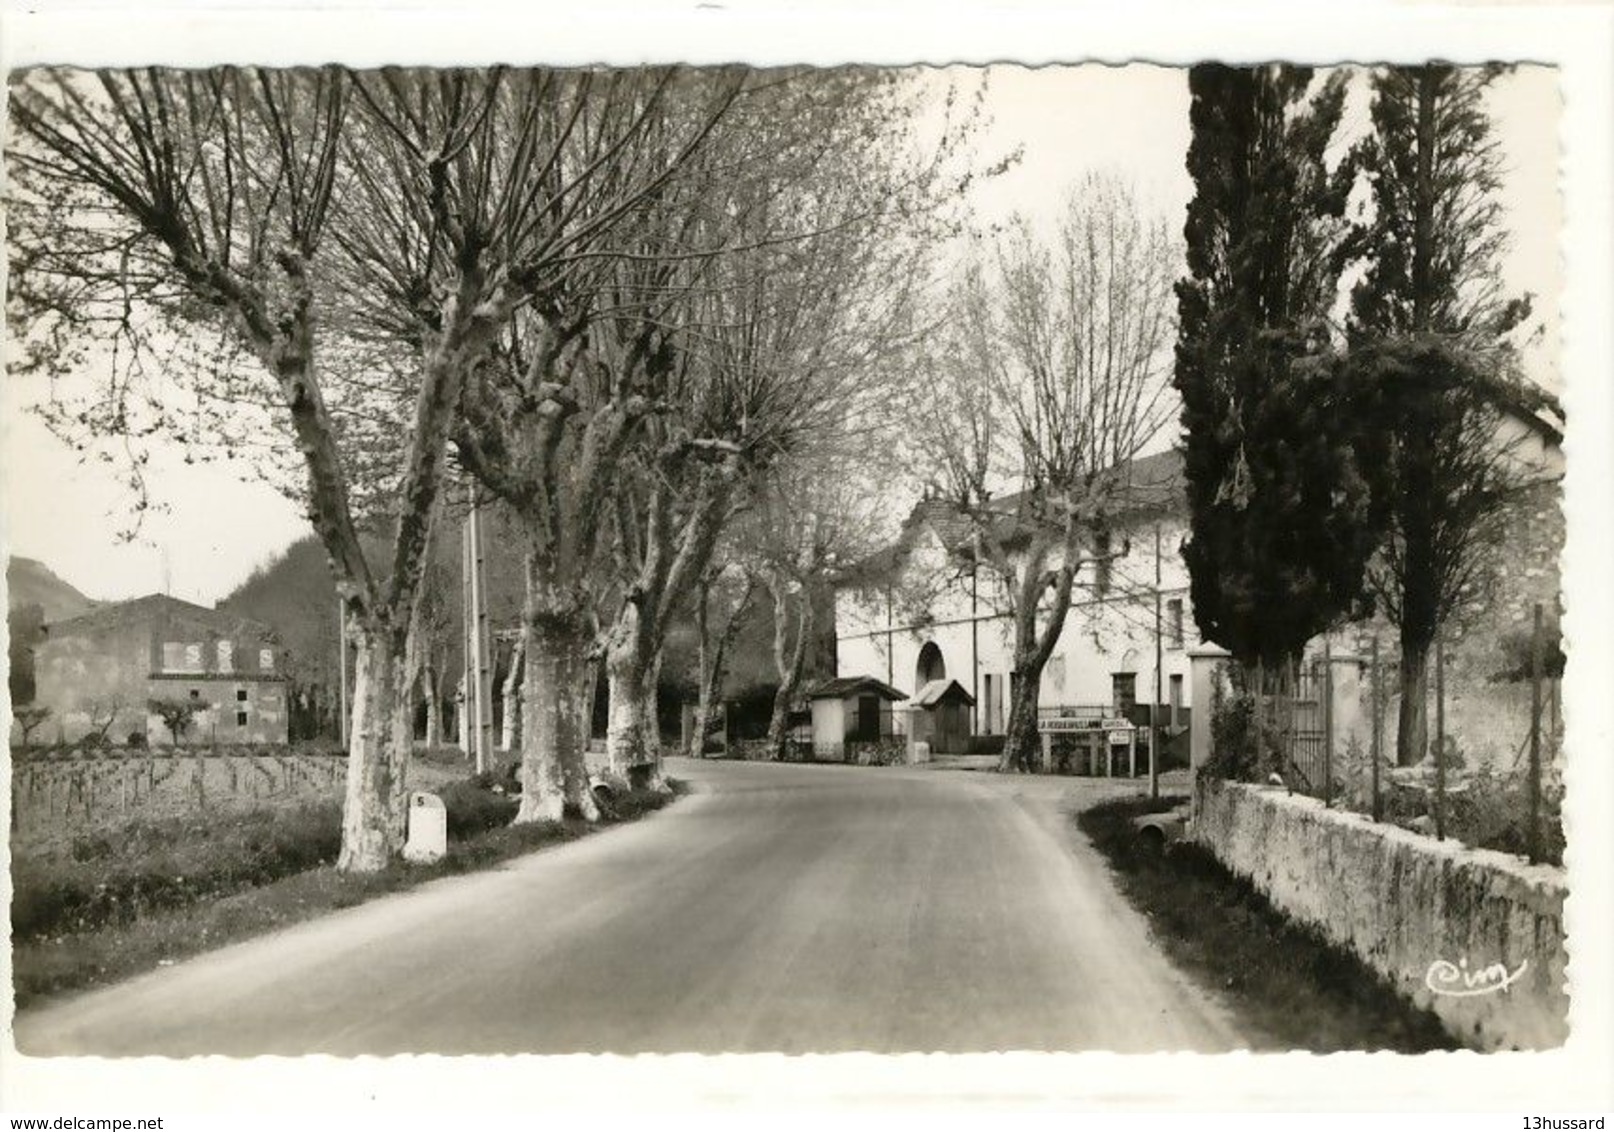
{"points": [[1350, 722], [1206, 667]]}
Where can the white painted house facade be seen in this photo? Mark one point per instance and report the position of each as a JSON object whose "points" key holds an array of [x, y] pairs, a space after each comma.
{"points": [[934, 617]]}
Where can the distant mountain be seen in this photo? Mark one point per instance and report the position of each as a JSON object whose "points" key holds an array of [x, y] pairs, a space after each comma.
{"points": [[31, 582], [35, 597], [294, 595]]}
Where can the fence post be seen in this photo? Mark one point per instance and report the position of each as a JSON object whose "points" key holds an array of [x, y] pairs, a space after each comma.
{"points": [[1533, 832], [1328, 722], [1440, 738], [1378, 728]]}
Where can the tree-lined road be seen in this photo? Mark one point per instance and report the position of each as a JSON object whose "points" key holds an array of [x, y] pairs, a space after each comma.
{"points": [[789, 908]]}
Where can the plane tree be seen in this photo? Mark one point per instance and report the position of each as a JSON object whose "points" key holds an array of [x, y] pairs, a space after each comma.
{"points": [[788, 350], [156, 207], [807, 525], [622, 411], [723, 598], [348, 248], [1049, 379]]}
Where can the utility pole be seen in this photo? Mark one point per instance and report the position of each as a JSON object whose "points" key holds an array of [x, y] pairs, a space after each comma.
{"points": [[466, 724], [1440, 737], [478, 685], [1532, 839], [975, 649], [1159, 667], [341, 636], [1378, 730]]}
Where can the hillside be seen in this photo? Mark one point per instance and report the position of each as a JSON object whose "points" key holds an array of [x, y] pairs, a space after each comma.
{"points": [[31, 582], [35, 596], [294, 594]]}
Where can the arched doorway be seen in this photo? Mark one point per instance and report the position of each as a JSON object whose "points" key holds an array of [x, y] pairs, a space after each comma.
{"points": [[931, 666]]}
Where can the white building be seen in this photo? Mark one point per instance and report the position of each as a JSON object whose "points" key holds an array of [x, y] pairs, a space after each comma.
{"points": [[930, 615]]}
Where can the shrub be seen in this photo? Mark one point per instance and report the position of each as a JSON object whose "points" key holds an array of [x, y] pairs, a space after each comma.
{"points": [[177, 715], [112, 877], [1484, 810], [473, 808]]}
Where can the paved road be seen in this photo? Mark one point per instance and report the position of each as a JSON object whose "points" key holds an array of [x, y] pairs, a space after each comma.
{"points": [[780, 908]]}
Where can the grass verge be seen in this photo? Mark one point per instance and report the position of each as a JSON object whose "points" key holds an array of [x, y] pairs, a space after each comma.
{"points": [[174, 889], [1293, 988]]}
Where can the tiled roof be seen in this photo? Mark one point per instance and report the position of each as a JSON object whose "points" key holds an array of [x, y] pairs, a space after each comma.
{"points": [[936, 691], [1153, 484], [843, 686], [150, 608]]}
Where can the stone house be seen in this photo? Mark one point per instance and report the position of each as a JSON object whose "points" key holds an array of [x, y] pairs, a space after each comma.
{"points": [[98, 673]]}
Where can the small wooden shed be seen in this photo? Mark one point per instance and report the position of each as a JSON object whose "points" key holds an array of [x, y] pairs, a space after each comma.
{"points": [[941, 717], [851, 709]]}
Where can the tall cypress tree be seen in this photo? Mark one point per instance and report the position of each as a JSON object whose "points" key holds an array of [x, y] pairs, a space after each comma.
{"points": [[1282, 522], [1428, 321]]}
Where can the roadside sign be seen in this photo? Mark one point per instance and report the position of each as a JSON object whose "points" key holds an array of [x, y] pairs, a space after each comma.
{"points": [[1065, 723]]}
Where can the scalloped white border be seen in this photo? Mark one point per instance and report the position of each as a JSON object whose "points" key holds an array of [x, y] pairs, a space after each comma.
{"points": [[413, 1091]]}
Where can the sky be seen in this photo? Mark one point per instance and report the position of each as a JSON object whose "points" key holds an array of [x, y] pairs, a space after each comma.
{"points": [[213, 529]]}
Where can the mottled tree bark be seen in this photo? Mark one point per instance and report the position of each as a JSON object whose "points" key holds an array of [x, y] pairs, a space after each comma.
{"points": [[660, 568], [432, 679], [379, 741], [554, 735], [790, 658], [650, 726], [711, 656], [625, 739], [512, 697], [1022, 749]]}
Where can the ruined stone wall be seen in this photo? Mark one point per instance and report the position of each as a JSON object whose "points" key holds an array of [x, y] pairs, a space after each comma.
{"points": [[1428, 915], [86, 678]]}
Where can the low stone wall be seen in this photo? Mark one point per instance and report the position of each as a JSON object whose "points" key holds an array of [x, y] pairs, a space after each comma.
{"points": [[1474, 935], [889, 751]]}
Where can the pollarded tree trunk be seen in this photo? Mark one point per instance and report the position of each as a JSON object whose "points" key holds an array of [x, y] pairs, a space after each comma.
{"points": [[708, 672], [1021, 743], [710, 661], [705, 710], [434, 706], [549, 716], [512, 697], [790, 660], [650, 726], [554, 774], [380, 737], [1022, 750], [633, 736], [625, 740]]}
